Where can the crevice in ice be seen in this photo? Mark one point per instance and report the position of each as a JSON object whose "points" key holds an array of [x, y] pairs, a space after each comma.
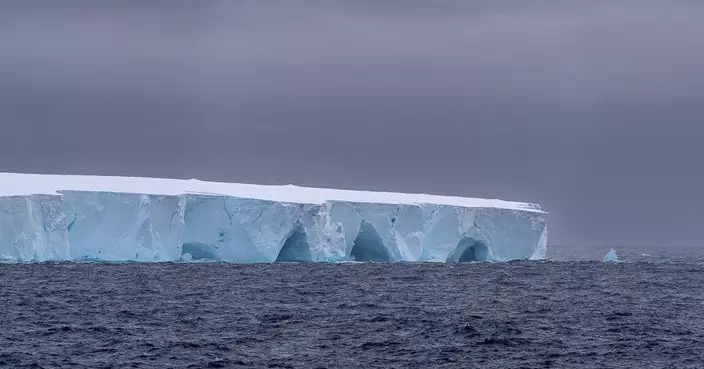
{"points": [[224, 207], [368, 246], [469, 250], [72, 222], [199, 251], [296, 246]]}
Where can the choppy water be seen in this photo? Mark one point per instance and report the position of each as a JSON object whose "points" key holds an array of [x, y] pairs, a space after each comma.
{"points": [[644, 313]]}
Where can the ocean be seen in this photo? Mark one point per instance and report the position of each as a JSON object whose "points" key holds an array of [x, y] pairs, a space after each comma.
{"points": [[572, 312]]}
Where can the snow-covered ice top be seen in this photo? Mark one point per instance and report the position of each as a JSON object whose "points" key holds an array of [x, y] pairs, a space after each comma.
{"points": [[14, 184], [71, 217]]}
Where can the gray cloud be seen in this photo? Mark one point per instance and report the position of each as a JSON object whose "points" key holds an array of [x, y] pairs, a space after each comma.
{"points": [[592, 109]]}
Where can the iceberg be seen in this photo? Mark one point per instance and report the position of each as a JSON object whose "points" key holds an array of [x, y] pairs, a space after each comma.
{"points": [[611, 257], [75, 217]]}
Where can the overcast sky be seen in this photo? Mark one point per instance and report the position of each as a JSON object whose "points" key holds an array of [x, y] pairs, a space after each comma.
{"points": [[594, 109]]}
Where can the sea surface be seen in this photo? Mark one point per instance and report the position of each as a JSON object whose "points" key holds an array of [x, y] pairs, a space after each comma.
{"points": [[572, 312]]}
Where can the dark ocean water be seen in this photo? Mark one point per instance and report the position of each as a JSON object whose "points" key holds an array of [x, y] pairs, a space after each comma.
{"points": [[643, 313]]}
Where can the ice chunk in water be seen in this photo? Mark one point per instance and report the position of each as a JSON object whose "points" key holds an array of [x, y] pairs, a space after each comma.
{"points": [[611, 256]]}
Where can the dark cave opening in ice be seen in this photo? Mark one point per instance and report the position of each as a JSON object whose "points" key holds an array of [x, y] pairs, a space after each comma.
{"points": [[296, 247], [368, 246], [199, 251], [473, 250]]}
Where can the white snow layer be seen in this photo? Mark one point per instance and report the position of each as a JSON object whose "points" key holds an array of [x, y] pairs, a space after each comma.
{"points": [[62, 217]]}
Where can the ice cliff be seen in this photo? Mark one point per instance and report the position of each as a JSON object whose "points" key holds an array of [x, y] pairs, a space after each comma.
{"points": [[59, 217]]}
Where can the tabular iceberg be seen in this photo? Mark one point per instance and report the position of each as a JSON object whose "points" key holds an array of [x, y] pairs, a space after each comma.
{"points": [[62, 217]]}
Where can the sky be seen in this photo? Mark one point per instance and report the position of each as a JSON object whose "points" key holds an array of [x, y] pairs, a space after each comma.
{"points": [[593, 109]]}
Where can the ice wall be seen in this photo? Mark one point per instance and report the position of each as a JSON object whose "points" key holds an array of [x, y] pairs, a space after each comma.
{"points": [[241, 230], [33, 228], [121, 226], [124, 226]]}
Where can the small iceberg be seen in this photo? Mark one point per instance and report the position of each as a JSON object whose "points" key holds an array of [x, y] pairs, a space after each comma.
{"points": [[611, 257]]}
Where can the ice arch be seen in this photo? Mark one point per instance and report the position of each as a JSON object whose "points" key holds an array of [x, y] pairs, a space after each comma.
{"points": [[199, 251], [296, 246], [368, 246], [469, 249]]}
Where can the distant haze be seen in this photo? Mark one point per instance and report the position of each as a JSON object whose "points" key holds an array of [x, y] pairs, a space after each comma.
{"points": [[594, 109]]}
